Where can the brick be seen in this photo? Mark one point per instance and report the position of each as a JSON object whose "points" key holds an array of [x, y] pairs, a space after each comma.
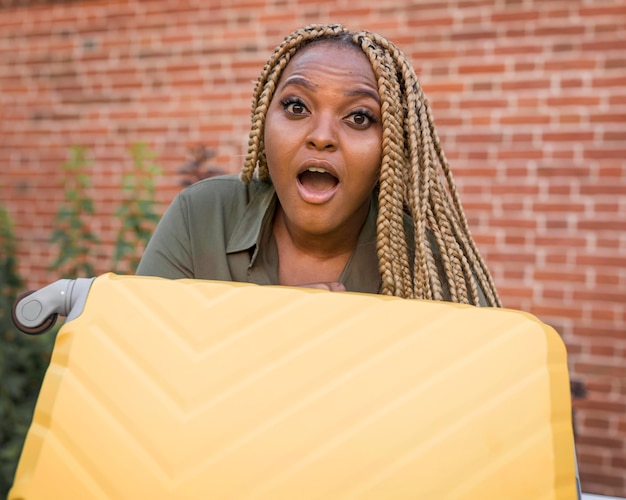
{"points": [[606, 296], [555, 311], [602, 10], [590, 459], [606, 278], [610, 242], [520, 153], [563, 101], [467, 35], [614, 135], [522, 84], [600, 478], [609, 81], [421, 21], [563, 154], [617, 99], [471, 69], [445, 87], [548, 275], [569, 118], [601, 331], [618, 462], [557, 241], [603, 189], [569, 83], [608, 118], [597, 387], [603, 225], [602, 424], [600, 405], [615, 63], [553, 294], [610, 208], [515, 16], [571, 65], [520, 48]]}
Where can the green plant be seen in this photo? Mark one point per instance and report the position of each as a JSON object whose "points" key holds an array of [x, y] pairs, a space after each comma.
{"points": [[136, 212], [72, 235], [23, 361]]}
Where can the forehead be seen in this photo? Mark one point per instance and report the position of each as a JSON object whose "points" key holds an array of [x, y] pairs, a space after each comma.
{"points": [[331, 57]]}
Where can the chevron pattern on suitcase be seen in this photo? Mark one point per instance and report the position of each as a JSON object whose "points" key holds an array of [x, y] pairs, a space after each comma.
{"points": [[196, 389]]}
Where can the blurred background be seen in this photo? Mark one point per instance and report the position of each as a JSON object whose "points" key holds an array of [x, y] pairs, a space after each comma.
{"points": [[108, 108]]}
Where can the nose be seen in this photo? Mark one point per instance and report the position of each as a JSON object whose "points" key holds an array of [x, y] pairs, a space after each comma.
{"points": [[323, 133]]}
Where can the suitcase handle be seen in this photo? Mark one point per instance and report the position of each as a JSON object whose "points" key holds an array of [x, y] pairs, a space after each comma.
{"points": [[36, 311]]}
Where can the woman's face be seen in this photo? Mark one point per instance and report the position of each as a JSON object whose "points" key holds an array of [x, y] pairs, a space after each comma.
{"points": [[323, 139]]}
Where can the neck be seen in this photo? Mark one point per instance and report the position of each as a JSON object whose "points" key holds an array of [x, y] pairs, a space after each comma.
{"points": [[320, 246], [310, 258]]}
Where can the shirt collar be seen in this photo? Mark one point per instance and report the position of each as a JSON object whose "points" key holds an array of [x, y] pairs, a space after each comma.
{"points": [[246, 234], [361, 271]]}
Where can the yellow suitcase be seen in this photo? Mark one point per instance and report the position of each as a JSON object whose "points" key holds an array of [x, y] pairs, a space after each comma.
{"points": [[197, 389]]}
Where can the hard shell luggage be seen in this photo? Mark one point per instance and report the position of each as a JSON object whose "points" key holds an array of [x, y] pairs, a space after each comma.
{"points": [[198, 389]]}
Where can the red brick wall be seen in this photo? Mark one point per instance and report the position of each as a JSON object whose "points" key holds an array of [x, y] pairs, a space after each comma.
{"points": [[529, 98]]}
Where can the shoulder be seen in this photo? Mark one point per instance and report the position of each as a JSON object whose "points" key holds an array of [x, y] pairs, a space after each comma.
{"points": [[223, 189], [220, 185]]}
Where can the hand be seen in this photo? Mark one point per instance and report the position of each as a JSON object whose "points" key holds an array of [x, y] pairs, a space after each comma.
{"points": [[333, 286]]}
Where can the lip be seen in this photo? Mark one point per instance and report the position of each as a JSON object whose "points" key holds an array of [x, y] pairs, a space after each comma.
{"points": [[312, 196], [317, 163]]}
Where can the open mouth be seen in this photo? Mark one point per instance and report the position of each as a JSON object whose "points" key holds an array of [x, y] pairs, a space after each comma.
{"points": [[318, 180]]}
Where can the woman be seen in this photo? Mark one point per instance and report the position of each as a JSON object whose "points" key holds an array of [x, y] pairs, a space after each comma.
{"points": [[345, 185]]}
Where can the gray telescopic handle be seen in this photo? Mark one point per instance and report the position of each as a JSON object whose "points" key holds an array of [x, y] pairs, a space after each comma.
{"points": [[35, 312]]}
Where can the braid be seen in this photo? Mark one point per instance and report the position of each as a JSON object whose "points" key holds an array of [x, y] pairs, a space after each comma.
{"points": [[391, 246], [415, 177]]}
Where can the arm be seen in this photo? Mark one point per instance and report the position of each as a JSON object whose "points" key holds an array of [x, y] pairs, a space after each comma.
{"points": [[168, 253]]}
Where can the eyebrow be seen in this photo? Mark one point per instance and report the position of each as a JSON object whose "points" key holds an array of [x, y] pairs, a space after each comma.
{"points": [[356, 92], [365, 92], [298, 80]]}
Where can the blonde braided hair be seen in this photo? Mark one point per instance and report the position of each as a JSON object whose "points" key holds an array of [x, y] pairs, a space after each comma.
{"points": [[414, 179]]}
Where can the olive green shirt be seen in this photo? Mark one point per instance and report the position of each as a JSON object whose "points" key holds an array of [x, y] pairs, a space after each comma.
{"points": [[221, 229]]}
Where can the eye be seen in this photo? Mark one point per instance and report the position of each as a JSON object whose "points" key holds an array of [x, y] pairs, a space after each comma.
{"points": [[361, 119], [294, 106]]}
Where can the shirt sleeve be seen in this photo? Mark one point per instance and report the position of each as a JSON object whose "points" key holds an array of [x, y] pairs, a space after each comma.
{"points": [[168, 253]]}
